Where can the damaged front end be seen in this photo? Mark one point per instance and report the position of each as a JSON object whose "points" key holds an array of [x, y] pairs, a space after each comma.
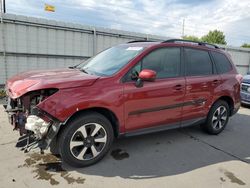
{"points": [[37, 128]]}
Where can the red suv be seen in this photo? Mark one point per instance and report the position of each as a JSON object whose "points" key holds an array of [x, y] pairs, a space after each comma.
{"points": [[130, 89]]}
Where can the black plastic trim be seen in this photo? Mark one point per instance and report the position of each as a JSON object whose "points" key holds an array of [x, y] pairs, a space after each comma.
{"points": [[134, 41], [194, 102], [191, 41], [187, 123]]}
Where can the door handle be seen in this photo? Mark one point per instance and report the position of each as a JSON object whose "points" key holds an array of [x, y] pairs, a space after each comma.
{"points": [[178, 87], [216, 82]]}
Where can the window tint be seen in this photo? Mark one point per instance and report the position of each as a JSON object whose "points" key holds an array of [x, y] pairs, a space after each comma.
{"points": [[109, 61], [164, 61], [198, 62], [222, 63]]}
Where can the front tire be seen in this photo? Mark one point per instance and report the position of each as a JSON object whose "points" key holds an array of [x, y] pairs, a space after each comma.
{"points": [[54, 150], [217, 118], [86, 139]]}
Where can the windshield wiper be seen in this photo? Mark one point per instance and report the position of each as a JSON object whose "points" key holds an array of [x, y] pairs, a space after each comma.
{"points": [[83, 70], [75, 67], [72, 67]]}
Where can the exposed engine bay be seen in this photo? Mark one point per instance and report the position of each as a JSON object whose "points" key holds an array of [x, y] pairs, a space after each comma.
{"points": [[31, 122]]}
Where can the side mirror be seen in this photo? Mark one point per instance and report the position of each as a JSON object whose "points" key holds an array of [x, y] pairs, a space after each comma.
{"points": [[145, 75]]}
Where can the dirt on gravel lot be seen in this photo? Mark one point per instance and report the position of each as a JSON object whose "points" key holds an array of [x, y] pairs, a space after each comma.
{"points": [[176, 158]]}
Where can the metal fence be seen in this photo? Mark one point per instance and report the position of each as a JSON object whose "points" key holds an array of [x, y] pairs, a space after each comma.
{"points": [[32, 43], [241, 58]]}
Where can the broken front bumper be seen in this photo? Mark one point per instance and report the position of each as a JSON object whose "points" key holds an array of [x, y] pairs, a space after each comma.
{"points": [[38, 129]]}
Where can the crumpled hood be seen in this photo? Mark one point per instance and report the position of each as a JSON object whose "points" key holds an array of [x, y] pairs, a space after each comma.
{"points": [[22, 83], [246, 79]]}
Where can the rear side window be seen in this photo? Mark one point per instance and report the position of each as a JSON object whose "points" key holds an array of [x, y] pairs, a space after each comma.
{"points": [[198, 62], [223, 65]]}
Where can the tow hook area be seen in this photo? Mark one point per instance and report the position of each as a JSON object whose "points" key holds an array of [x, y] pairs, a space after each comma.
{"points": [[39, 134], [28, 142]]}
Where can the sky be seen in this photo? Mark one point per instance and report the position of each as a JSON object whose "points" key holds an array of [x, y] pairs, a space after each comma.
{"points": [[157, 17]]}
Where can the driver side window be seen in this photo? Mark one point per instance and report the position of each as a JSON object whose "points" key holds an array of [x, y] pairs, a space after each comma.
{"points": [[165, 62]]}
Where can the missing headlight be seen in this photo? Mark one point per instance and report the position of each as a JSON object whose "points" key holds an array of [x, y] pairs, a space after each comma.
{"points": [[19, 109], [37, 125]]}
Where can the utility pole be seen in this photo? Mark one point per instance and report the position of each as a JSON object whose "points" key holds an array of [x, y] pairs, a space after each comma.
{"points": [[1, 11], [183, 28], [4, 7]]}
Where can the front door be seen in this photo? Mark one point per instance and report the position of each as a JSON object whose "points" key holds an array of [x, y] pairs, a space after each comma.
{"points": [[159, 102]]}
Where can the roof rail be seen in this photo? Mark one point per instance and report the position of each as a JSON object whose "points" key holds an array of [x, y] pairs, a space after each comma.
{"points": [[191, 41], [134, 41]]}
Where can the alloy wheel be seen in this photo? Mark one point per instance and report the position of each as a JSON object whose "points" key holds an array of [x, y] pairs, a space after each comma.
{"points": [[88, 141], [219, 117]]}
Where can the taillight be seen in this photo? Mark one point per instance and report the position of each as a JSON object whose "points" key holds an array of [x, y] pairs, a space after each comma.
{"points": [[239, 78]]}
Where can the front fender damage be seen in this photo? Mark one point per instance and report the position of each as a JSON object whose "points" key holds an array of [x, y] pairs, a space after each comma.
{"points": [[37, 128]]}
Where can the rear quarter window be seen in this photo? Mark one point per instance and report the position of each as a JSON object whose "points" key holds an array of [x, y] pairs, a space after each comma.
{"points": [[222, 63]]}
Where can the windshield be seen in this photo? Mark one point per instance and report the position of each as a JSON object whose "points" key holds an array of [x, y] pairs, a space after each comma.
{"points": [[109, 61]]}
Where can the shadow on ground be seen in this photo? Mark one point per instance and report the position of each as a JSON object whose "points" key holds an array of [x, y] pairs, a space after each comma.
{"points": [[171, 152], [174, 152]]}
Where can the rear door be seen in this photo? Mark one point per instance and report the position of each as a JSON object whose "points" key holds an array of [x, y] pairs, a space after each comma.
{"points": [[202, 82], [158, 102]]}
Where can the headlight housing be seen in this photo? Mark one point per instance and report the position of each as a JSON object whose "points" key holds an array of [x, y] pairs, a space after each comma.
{"points": [[37, 125]]}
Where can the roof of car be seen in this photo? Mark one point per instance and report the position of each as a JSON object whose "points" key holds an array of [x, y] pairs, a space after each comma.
{"points": [[146, 43], [141, 43]]}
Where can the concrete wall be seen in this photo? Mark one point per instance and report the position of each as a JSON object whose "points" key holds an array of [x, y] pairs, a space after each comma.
{"points": [[32, 43]]}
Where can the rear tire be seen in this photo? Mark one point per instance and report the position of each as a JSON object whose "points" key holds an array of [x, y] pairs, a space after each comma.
{"points": [[86, 139], [217, 118]]}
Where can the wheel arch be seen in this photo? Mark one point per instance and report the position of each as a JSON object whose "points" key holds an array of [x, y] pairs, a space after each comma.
{"points": [[110, 115], [229, 101], [104, 111]]}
